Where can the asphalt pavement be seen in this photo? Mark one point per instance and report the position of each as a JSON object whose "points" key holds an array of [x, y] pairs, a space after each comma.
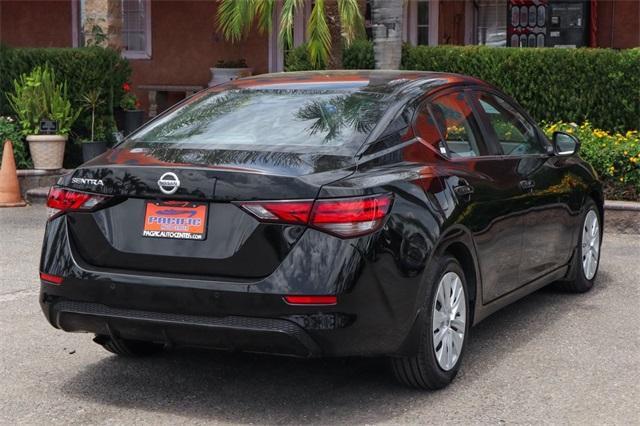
{"points": [[550, 358]]}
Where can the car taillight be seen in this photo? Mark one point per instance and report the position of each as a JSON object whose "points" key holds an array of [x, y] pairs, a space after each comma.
{"points": [[351, 217], [62, 200], [343, 217], [280, 211]]}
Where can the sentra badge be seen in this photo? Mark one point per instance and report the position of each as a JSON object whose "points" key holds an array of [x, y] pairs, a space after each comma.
{"points": [[86, 181]]}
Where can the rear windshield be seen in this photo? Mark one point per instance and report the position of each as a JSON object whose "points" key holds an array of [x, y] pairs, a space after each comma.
{"points": [[290, 120]]}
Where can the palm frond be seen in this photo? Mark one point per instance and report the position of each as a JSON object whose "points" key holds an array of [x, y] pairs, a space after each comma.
{"points": [[263, 10], [318, 35], [235, 18], [287, 17], [351, 20], [325, 116]]}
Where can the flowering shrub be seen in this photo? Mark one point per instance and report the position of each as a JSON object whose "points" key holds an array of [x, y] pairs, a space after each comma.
{"points": [[129, 101], [9, 131], [615, 156]]}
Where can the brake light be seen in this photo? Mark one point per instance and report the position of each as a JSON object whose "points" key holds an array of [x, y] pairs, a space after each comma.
{"points": [[53, 279], [62, 200], [311, 300], [351, 217], [343, 217]]}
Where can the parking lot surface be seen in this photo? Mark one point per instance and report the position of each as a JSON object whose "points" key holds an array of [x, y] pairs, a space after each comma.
{"points": [[549, 358]]}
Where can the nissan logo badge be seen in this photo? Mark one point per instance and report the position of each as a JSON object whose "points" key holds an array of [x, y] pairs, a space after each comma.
{"points": [[169, 183]]}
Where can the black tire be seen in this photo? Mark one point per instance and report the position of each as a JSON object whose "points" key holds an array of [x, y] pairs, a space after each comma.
{"points": [[422, 370], [128, 348], [581, 284]]}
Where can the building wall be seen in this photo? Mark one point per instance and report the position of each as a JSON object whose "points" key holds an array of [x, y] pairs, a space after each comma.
{"points": [[185, 44], [35, 23], [618, 23]]}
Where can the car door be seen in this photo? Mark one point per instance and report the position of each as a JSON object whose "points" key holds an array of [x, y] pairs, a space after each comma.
{"points": [[546, 187], [486, 188]]}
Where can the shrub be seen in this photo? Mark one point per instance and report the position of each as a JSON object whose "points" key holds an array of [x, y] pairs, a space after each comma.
{"points": [[359, 56], [572, 85], [614, 156], [83, 69], [9, 130], [297, 59]]}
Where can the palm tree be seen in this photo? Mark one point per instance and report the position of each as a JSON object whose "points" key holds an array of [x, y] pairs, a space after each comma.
{"points": [[327, 24], [387, 33]]}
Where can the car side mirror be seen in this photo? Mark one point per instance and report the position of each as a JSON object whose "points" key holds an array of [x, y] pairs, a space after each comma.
{"points": [[565, 144]]}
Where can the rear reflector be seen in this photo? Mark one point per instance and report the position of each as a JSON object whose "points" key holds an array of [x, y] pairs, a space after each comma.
{"points": [[53, 279], [343, 217], [62, 200], [311, 300]]}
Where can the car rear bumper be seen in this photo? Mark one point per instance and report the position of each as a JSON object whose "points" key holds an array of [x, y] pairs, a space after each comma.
{"points": [[377, 302], [361, 324], [277, 336]]}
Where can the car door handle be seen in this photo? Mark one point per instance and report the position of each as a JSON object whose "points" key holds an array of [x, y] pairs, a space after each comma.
{"points": [[527, 185], [463, 190]]}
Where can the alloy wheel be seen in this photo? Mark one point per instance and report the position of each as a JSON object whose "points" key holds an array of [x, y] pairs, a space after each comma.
{"points": [[590, 245], [449, 320]]}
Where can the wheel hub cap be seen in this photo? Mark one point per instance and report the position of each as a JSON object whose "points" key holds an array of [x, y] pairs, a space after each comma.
{"points": [[449, 320], [590, 245]]}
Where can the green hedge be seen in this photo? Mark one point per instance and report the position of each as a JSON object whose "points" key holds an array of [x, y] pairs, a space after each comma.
{"points": [[82, 68], [297, 59], [601, 86], [358, 56]]}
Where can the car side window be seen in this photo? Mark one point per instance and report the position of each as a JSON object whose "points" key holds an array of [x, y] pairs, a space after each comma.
{"points": [[515, 134], [455, 125]]}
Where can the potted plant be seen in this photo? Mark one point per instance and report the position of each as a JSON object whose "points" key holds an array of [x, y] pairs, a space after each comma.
{"points": [[45, 115], [130, 116], [225, 71], [96, 145]]}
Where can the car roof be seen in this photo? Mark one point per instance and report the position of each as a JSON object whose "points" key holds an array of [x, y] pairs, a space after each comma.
{"points": [[394, 83]]}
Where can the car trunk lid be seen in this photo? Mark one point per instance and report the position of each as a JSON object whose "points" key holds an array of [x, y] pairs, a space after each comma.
{"points": [[112, 237]]}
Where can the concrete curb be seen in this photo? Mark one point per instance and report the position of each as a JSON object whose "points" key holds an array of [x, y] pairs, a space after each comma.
{"points": [[622, 217], [37, 195]]}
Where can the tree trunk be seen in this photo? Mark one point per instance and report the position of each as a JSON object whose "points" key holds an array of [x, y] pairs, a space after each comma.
{"points": [[333, 21], [386, 18]]}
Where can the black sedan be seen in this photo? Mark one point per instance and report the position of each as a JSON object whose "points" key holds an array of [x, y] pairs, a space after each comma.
{"points": [[371, 213]]}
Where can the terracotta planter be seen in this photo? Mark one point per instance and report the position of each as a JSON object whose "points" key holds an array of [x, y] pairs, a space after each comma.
{"points": [[222, 75], [47, 151], [91, 150]]}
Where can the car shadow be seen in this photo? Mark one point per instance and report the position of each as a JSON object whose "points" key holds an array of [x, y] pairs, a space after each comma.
{"points": [[249, 388]]}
